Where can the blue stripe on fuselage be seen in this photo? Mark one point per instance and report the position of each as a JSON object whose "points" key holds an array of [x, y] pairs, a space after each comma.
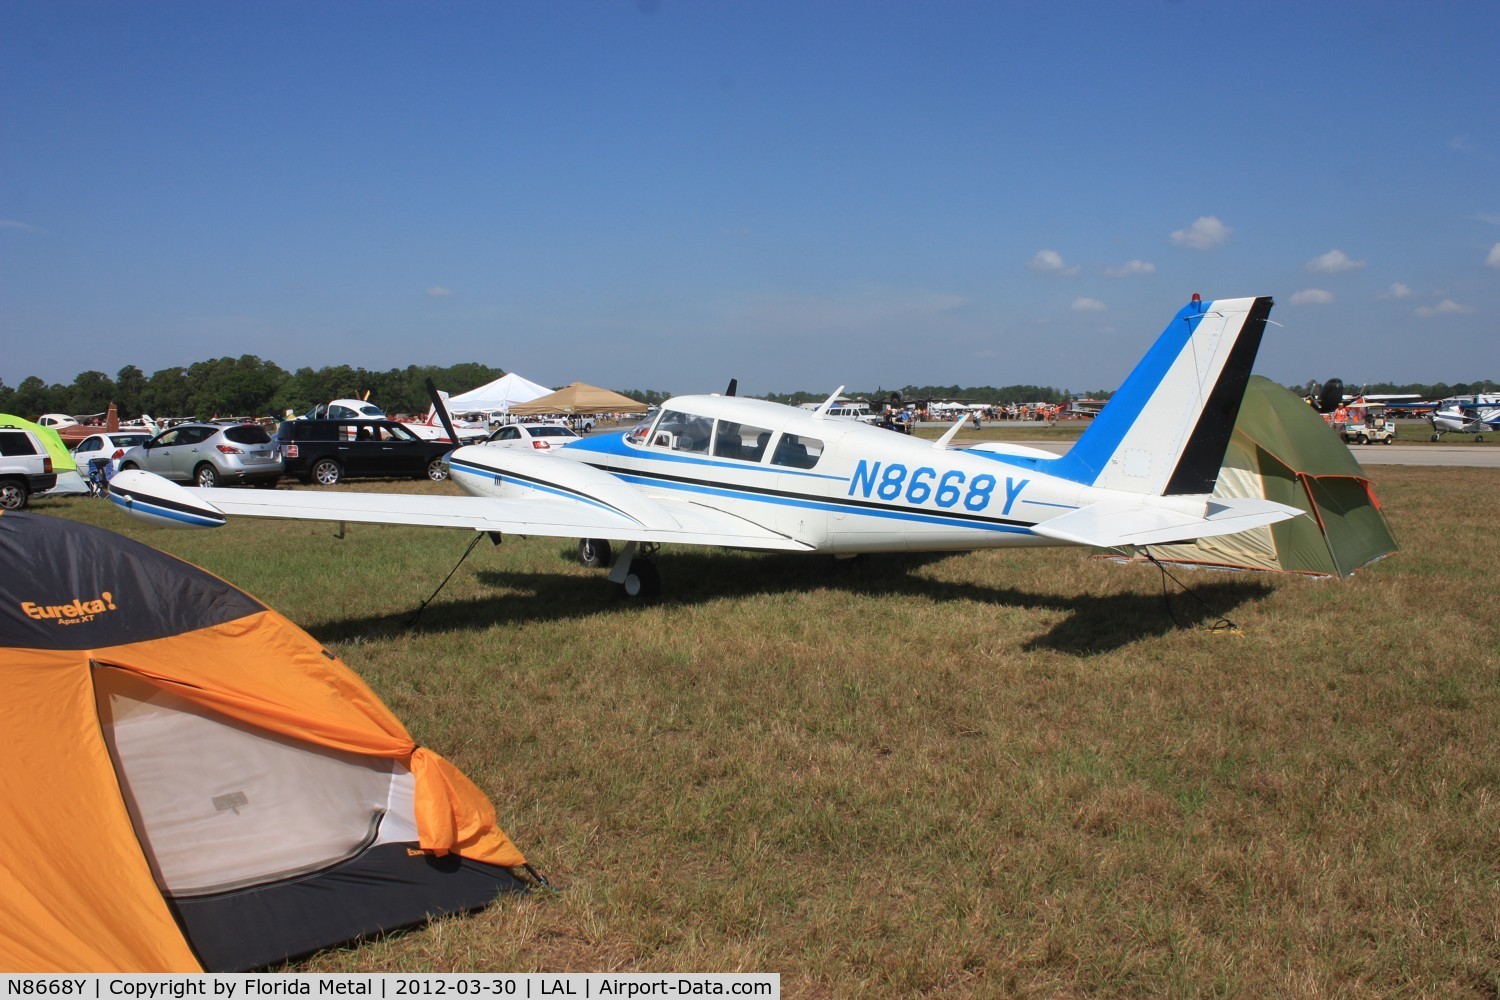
{"points": [[612, 445], [807, 502]]}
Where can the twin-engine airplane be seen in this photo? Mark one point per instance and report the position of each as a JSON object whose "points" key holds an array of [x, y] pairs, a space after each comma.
{"points": [[750, 474]]}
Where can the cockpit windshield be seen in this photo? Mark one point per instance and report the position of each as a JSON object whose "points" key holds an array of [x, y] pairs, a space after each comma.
{"points": [[683, 432]]}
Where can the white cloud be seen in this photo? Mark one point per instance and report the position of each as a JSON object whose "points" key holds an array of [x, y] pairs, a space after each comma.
{"points": [[1052, 262], [22, 226], [1333, 262], [1204, 234], [439, 292], [1088, 305], [1312, 297], [1130, 269], [1398, 291], [1493, 260], [1445, 307]]}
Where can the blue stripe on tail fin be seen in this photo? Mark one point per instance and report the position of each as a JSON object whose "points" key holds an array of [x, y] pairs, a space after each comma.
{"points": [[1166, 429]]}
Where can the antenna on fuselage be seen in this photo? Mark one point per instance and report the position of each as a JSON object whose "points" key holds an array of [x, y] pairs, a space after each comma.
{"points": [[828, 402], [942, 443]]}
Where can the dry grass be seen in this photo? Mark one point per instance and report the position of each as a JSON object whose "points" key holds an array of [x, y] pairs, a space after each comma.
{"points": [[987, 774]]}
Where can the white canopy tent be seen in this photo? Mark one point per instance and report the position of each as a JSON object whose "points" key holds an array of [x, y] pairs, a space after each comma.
{"points": [[497, 395]]}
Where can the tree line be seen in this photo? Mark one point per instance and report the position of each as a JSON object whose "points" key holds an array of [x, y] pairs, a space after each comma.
{"points": [[248, 386]]}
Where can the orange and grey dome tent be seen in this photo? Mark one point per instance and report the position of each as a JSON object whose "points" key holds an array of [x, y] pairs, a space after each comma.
{"points": [[195, 784]]}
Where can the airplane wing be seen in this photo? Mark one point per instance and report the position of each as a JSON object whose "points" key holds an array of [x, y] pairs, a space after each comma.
{"points": [[1112, 525], [149, 497]]}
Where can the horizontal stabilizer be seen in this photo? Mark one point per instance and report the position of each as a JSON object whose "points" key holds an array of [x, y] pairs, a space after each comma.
{"points": [[1113, 525]]}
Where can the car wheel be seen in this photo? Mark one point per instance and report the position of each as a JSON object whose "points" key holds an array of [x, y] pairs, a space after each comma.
{"points": [[594, 552], [326, 472], [13, 494], [437, 471], [206, 476], [129, 467]]}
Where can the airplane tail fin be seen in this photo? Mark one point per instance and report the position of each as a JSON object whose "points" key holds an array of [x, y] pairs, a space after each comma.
{"points": [[1165, 431]]}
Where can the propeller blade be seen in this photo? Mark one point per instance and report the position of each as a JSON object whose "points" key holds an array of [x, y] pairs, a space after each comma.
{"points": [[442, 412]]}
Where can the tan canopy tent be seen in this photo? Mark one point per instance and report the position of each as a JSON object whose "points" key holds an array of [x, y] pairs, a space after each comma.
{"points": [[579, 397]]}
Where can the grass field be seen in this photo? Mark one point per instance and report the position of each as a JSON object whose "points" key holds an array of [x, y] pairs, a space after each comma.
{"points": [[992, 774]]}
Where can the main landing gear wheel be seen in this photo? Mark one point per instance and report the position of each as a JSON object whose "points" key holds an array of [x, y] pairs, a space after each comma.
{"points": [[634, 571], [642, 582], [594, 552]]}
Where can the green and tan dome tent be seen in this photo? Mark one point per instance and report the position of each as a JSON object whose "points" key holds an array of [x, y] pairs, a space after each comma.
{"points": [[194, 783], [1282, 450]]}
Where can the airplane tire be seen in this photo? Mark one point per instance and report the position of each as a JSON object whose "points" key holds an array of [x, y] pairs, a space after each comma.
{"points": [[642, 583], [594, 552], [1434, 437]]}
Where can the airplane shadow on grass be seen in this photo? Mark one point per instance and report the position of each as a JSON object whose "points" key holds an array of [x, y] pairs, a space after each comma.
{"points": [[1091, 624]]}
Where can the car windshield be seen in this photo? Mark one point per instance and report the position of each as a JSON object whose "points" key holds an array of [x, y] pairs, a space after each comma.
{"points": [[129, 440], [552, 432]]}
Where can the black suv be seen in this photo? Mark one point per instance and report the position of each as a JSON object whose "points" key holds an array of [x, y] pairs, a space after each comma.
{"points": [[328, 451]]}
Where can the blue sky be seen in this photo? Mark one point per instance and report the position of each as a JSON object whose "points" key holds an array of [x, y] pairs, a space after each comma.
{"points": [[797, 194]]}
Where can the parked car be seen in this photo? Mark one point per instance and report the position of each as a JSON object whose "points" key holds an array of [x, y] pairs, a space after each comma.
{"points": [[328, 451], [107, 447], [25, 467], [209, 455], [539, 436]]}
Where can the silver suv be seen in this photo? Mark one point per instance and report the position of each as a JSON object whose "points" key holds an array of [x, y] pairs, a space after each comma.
{"points": [[25, 467], [209, 455]]}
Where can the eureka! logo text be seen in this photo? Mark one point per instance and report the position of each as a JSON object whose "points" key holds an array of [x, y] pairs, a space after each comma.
{"points": [[75, 613]]}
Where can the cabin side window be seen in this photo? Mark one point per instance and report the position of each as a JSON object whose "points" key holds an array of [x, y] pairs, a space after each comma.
{"points": [[743, 442], [797, 451]]}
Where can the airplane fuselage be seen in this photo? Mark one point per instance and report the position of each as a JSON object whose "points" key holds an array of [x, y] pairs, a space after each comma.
{"points": [[835, 485]]}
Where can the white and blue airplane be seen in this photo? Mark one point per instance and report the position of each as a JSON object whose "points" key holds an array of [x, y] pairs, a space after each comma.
{"points": [[728, 471], [1477, 414]]}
